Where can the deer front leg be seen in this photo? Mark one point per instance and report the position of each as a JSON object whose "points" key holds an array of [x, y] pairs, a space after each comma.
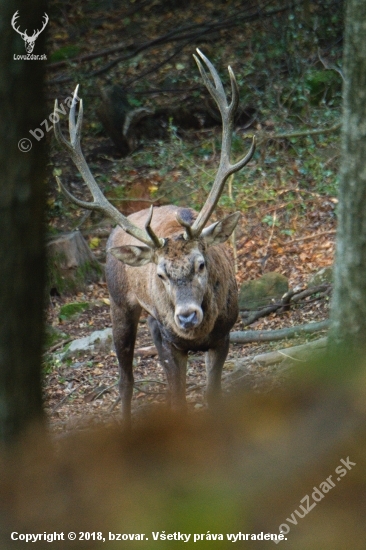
{"points": [[215, 359], [174, 362], [124, 323]]}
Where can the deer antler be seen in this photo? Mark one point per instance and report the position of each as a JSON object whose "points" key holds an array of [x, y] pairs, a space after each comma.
{"points": [[13, 21], [38, 32], [100, 203], [24, 35], [227, 114]]}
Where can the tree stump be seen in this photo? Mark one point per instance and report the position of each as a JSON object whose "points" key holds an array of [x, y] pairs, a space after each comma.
{"points": [[71, 264]]}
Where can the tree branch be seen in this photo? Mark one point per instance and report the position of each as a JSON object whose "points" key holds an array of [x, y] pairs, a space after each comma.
{"points": [[302, 133], [181, 34], [330, 67], [309, 237], [285, 303]]}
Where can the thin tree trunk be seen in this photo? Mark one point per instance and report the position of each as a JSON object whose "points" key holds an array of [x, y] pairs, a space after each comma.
{"points": [[22, 174], [349, 296]]}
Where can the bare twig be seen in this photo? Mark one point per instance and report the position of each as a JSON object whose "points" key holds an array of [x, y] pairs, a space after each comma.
{"points": [[149, 392], [302, 133], [189, 33], [89, 56], [104, 390], [83, 219], [64, 399], [150, 381], [157, 66], [118, 398], [58, 345], [330, 67], [195, 387], [260, 313], [309, 237], [284, 304], [274, 219], [321, 290], [113, 406]]}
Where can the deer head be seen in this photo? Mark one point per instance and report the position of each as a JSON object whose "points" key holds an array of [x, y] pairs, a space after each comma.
{"points": [[28, 40]]}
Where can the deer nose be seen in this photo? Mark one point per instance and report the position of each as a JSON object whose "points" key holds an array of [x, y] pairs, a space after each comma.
{"points": [[188, 320]]}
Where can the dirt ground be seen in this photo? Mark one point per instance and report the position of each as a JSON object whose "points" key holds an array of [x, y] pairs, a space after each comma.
{"points": [[82, 391]]}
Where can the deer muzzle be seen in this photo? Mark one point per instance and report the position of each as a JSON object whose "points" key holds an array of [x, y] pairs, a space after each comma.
{"points": [[188, 317]]}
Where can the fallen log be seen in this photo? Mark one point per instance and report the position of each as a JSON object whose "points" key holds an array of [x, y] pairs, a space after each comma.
{"points": [[296, 353], [247, 336]]}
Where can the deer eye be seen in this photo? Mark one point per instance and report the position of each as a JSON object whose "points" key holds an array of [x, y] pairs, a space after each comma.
{"points": [[161, 274], [201, 266]]}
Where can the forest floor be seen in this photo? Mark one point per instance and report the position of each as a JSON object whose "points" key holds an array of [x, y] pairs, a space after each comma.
{"points": [[83, 391]]}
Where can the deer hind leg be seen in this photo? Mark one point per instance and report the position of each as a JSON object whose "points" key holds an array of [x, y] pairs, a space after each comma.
{"points": [[124, 323], [174, 362], [215, 359]]}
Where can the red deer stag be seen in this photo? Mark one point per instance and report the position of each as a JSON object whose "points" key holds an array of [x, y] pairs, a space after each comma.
{"points": [[187, 284]]}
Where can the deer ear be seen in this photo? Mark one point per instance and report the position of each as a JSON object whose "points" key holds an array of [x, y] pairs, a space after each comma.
{"points": [[133, 255], [219, 232]]}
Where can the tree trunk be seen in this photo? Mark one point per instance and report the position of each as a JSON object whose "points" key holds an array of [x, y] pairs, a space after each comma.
{"points": [[71, 264], [349, 298], [22, 174]]}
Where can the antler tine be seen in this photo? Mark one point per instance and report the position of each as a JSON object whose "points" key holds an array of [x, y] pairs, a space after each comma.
{"points": [[159, 243], [74, 150], [37, 32], [82, 204], [186, 225], [57, 130], [241, 163], [14, 21], [14, 18], [72, 126], [234, 91], [100, 203], [227, 115], [218, 92], [46, 19]]}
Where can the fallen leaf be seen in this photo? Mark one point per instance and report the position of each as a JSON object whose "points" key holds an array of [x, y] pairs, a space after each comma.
{"points": [[94, 242], [148, 351]]}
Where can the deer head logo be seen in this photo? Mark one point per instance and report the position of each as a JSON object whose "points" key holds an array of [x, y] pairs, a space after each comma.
{"points": [[29, 41]]}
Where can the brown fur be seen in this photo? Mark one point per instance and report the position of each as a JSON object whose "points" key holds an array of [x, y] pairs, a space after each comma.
{"points": [[133, 288]]}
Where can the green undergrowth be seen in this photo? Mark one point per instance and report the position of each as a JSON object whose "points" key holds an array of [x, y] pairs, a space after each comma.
{"points": [[293, 170], [52, 336], [72, 309]]}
